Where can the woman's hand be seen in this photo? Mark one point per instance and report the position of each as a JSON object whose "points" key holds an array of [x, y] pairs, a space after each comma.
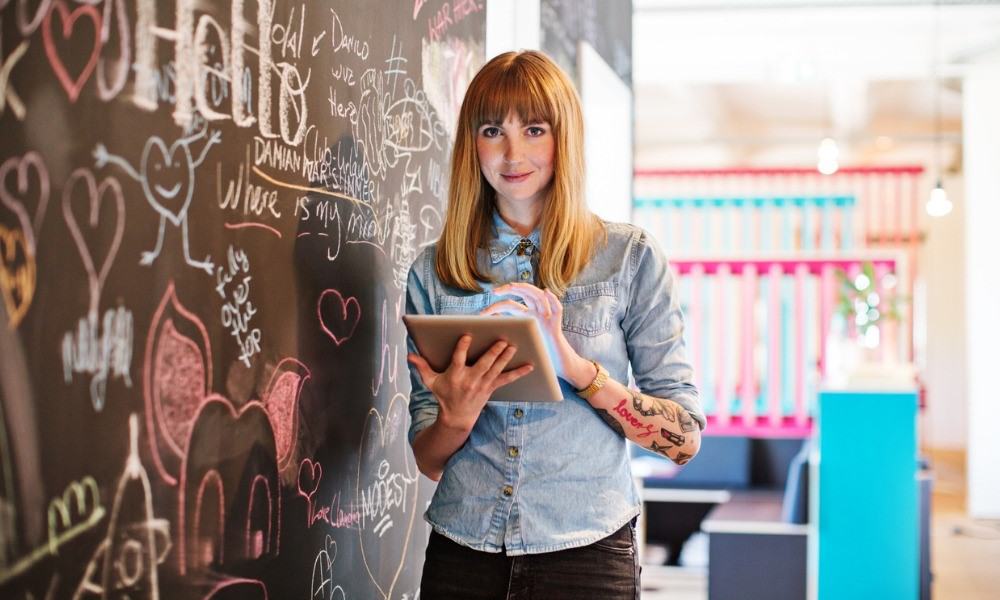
{"points": [[548, 310], [461, 390]]}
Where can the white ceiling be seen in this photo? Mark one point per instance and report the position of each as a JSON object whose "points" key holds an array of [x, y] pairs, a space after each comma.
{"points": [[752, 81]]}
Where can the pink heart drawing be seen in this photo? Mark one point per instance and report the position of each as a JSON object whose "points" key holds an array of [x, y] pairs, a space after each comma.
{"points": [[310, 474], [72, 85], [341, 316], [14, 198], [95, 198]]}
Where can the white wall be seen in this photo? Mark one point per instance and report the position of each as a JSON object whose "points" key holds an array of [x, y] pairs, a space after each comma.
{"points": [[607, 116], [982, 285], [942, 261], [512, 25]]}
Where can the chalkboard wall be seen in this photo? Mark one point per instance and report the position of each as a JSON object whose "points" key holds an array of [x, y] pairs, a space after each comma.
{"points": [[208, 212]]}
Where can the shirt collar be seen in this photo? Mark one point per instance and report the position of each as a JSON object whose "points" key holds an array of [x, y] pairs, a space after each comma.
{"points": [[505, 239]]}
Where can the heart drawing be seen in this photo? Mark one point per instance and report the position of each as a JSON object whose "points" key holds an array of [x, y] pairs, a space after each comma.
{"points": [[17, 274], [72, 85], [387, 494], [15, 198], [338, 316], [168, 177], [95, 198]]}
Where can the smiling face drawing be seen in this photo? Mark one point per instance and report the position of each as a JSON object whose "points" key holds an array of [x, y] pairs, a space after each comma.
{"points": [[168, 177]]}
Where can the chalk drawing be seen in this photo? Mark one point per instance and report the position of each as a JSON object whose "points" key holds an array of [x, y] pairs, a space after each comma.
{"points": [[168, 184]]}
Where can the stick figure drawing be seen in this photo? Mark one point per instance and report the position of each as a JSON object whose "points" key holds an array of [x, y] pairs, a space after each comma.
{"points": [[167, 178]]}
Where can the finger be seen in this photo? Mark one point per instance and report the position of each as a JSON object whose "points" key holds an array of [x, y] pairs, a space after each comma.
{"points": [[555, 303], [461, 353], [427, 374], [501, 362], [505, 307], [512, 376], [488, 358], [529, 294]]}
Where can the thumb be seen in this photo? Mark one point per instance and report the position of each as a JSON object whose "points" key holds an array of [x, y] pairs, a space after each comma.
{"points": [[427, 374]]}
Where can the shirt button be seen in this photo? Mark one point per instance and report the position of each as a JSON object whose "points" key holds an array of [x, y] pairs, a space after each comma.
{"points": [[518, 413], [525, 275], [508, 491], [513, 451]]}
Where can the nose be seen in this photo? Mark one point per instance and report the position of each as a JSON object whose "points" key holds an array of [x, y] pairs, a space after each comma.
{"points": [[513, 150]]}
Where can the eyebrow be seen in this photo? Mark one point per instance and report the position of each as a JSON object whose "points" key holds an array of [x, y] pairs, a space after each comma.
{"points": [[495, 123]]}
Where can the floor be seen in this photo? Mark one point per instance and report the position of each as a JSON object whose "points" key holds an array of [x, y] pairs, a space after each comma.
{"points": [[965, 553]]}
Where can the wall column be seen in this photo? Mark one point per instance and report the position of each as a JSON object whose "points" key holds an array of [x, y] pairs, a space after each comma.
{"points": [[981, 135]]}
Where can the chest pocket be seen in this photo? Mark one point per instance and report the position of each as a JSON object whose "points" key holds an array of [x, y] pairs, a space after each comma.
{"points": [[463, 305], [590, 309]]}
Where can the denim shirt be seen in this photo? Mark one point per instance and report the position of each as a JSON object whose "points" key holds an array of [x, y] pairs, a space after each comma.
{"points": [[539, 477]]}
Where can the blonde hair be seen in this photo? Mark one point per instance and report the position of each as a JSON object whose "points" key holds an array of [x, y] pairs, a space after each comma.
{"points": [[532, 86]]}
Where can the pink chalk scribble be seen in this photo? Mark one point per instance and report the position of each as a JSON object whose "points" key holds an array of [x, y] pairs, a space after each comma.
{"points": [[180, 385], [259, 538], [95, 198], [72, 84], [310, 474], [338, 316], [247, 589], [14, 199], [220, 432], [254, 225], [177, 377], [282, 403], [214, 541]]}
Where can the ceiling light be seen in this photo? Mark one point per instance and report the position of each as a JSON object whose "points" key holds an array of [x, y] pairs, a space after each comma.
{"points": [[828, 154], [938, 204]]}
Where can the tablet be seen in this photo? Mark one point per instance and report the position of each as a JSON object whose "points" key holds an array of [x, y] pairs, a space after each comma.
{"points": [[436, 335]]}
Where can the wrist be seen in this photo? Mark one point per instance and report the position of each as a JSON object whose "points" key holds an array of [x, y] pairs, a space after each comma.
{"points": [[582, 374], [455, 424]]}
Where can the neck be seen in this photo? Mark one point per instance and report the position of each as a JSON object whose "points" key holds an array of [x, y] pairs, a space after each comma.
{"points": [[523, 219]]}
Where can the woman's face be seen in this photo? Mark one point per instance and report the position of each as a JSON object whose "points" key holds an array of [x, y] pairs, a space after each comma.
{"points": [[516, 159]]}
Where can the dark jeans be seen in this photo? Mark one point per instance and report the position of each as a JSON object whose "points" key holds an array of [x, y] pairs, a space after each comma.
{"points": [[605, 570]]}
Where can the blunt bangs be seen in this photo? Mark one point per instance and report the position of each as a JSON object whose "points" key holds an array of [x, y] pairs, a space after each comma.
{"points": [[517, 87]]}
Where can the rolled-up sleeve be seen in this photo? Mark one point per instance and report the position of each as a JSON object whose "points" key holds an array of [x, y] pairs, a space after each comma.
{"points": [[423, 405], [654, 330]]}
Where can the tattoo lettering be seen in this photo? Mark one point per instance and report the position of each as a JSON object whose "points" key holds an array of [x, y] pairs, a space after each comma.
{"points": [[660, 449], [682, 458], [611, 421], [672, 437], [648, 429], [657, 407], [687, 423]]}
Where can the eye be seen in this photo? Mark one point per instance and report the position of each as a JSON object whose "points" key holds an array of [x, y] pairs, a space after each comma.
{"points": [[490, 131], [537, 130]]}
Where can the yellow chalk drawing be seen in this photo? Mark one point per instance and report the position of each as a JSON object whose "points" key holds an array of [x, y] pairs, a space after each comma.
{"points": [[17, 274]]}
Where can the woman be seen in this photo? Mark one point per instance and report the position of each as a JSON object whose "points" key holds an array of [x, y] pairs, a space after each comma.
{"points": [[537, 501]]}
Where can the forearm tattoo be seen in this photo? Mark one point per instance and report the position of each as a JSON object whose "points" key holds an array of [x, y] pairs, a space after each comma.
{"points": [[651, 407], [660, 449], [670, 412], [672, 437], [648, 417], [687, 423], [611, 421]]}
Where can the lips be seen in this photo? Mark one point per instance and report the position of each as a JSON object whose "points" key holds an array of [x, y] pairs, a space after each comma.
{"points": [[515, 177]]}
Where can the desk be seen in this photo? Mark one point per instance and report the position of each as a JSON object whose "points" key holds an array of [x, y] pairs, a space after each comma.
{"points": [[752, 553]]}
